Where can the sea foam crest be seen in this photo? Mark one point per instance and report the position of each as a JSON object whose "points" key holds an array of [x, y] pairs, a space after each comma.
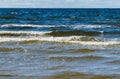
{"points": [[90, 26], [24, 32], [70, 39], [25, 25], [72, 26]]}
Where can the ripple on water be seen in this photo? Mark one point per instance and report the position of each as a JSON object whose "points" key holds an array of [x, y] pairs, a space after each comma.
{"points": [[114, 62], [10, 49], [56, 67], [29, 42], [85, 50], [63, 75], [67, 58], [6, 75], [78, 75]]}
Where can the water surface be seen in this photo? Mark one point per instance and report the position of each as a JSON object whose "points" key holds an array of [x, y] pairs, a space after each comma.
{"points": [[59, 44]]}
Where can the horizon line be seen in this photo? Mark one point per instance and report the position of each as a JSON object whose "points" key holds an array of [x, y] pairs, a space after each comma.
{"points": [[55, 8]]}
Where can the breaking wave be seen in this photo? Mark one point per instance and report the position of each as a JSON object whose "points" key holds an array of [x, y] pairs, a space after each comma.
{"points": [[18, 36], [75, 34], [25, 25]]}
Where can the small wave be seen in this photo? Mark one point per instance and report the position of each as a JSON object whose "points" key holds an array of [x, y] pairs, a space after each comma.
{"points": [[82, 40], [74, 32], [31, 27], [32, 36], [64, 30], [92, 57], [8, 17], [10, 49], [6, 49], [91, 26], [21, 33], [69, 75], [63, 58], [68, 26], [115, 62], [28, 41], [86, 50], [73, 58], [80, 75], [26, 25], [56, 67], [7, 75]]}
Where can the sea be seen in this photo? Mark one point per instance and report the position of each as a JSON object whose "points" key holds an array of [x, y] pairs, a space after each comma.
{"points": [[59, 43]]}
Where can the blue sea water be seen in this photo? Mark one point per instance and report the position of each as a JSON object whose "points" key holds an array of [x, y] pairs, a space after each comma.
{"points": [[59, 43], [60, 16], [81, 21]]}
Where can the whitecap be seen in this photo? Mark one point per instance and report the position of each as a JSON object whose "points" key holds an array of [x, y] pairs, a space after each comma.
{"points": [[25, 32], [60, 40], [26, 25], [90, 26]]}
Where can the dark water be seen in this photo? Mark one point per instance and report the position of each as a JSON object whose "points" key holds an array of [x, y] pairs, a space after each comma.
{"points": [[59, 43]]}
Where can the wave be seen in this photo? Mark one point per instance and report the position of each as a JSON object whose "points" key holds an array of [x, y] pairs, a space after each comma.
{"points": [[25, 25], [21, 33], [67, 35], [70, 26], [32, 27], [114, 62], [8, 17], [41, 36], [73, 58], [86, 50], [7, 75], [74, 32], [8, 49], [91, 26], [61, 30], [80, 75]]}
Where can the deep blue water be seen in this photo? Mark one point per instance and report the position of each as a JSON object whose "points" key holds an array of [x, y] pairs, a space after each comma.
{"points": [[86, 20], [60, 16]]}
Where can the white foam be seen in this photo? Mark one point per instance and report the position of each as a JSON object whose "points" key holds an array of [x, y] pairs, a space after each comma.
{"points": [[26, 25], [90, 26], [24, 32], [73, 26], [60, 40], [68, 40]]}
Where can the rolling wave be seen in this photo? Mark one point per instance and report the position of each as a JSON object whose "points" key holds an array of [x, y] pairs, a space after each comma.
{"points": [[21, 33], [82, 40], [73, 58], [78, 29], [80, 75], [25, 25], [75, 34], [71, 26]]}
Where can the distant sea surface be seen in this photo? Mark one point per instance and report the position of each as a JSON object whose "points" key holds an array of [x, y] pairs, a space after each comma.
{"points": [[59, 43]]}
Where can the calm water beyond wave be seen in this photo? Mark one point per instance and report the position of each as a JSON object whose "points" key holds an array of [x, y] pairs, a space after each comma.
{"points": [[59, 43]]}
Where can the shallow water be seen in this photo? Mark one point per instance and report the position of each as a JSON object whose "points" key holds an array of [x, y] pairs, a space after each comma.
{"points": [[59, 44], [58, 61]]}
